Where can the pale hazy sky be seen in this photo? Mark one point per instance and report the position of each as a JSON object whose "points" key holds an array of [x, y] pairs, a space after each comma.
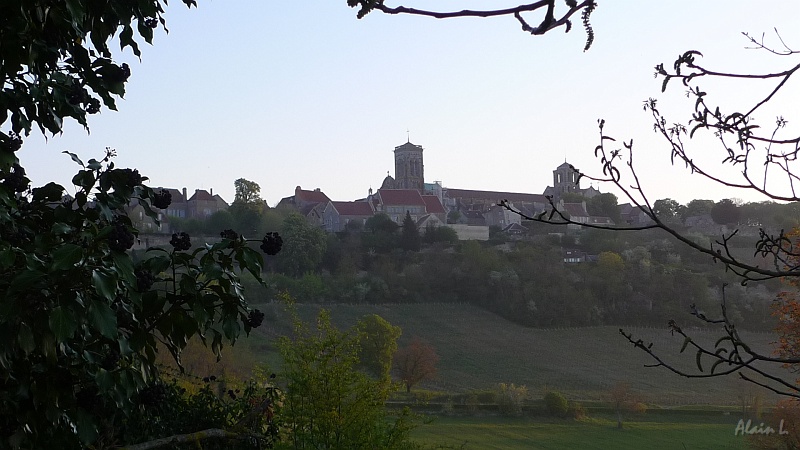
{"points": [[300, 92]]}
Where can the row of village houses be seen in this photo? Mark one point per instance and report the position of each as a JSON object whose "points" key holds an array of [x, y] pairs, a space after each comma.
{"points": [[476, 210]]}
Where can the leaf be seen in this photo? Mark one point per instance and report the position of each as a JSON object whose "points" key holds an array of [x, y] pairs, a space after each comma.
{"points": [[103, 319], [685, 343], [124, 267], [67, 256], [73, 155], [6, 257], [104, 283], [87, 430], [697, 359], [25, 280], [25, 338], [62, 323]]}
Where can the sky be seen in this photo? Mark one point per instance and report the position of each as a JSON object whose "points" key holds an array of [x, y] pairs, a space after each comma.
{"points": [[301, 93]]}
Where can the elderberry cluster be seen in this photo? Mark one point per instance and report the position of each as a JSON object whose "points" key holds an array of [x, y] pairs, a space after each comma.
{"points": [[272, 243], [110, 359], [132, 178], [15, 180], [93, 106], [144, 280], [180, 241], [162, 199], [150, 22], [255, 318], [120, 238], [229, 234]]}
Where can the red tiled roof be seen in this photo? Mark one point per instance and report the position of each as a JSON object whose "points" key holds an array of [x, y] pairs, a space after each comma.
{"points": [[432, 204], [201, 195], [404, 197], [353, 208], [495, 196], [575, 210], [310, 196]]}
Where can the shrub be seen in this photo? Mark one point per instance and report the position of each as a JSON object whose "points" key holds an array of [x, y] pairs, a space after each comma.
{"points": [[556, 404], [510, 398], [577, 411]]}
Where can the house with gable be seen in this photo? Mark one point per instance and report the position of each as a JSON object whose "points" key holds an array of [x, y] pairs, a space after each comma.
{"points": [[203, 204], [396, 202], [336, 216], [310, 204]]}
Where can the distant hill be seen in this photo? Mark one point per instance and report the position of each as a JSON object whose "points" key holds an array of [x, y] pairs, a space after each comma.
{"points": [[479, 349]]}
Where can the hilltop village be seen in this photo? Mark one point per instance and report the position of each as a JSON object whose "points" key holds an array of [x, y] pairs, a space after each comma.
{"points": [[471, 213]]}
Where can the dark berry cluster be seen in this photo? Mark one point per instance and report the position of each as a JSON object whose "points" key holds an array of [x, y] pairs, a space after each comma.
{"points": [[209, 379], [255, 318], [272, 243], [110, 359], [130, 177], [162, 199], [93, 106], [150, 22], [15, 180], [180, 241], [229, 234], [10, 142], [232, 393], [153, 395], [77, 94], [120, 238], [126, 71], [144, 280]]}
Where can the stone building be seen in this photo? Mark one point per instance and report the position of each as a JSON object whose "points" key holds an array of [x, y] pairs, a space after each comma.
{"points": [[409, 168], [566, 179]]}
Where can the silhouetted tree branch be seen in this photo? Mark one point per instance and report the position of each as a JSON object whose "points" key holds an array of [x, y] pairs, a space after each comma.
{"points": [[549, 21], [746, 146]]}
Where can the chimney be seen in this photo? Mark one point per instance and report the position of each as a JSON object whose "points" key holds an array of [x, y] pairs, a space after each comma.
{"points": [[211, 190], [184, 195]]}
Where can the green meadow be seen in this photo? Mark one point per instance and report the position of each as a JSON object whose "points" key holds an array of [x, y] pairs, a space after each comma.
{"points": [[478, 349], [594, 433]]}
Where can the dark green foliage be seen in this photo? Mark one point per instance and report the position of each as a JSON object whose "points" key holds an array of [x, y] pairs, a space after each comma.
{"points": [[303, 246], [380, 234], [556, 404], [442, 234], [409, 237], [666, 208], [604, 205], [79, 315], [725, 212], [56, 62], [166, 409]]}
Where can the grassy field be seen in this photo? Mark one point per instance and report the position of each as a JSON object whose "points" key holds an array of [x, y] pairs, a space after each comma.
{"points": [[479, 349], [527, 433]]}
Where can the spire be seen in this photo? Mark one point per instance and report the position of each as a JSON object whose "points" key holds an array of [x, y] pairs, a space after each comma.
{"points": [[408, 136]]}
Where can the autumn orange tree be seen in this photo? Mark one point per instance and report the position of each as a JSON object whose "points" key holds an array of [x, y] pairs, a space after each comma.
{"points": [[415, 363]]}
